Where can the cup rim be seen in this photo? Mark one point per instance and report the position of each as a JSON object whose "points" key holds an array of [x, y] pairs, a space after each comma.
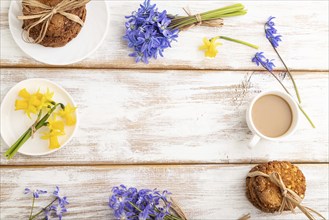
{"points": [[294, 108]]}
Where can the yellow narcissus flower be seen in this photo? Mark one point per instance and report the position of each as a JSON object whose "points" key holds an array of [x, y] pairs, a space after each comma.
{"points": [[68, 113], [29, 103], [56, 128], [21, 104], [24, 94], [45, 98], [53, 138], [210, 47], [55, 125], [33, 103]]}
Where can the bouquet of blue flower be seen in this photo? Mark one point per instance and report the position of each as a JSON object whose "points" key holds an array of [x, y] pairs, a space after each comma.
{"points": [[133, 204], [149, 31]]}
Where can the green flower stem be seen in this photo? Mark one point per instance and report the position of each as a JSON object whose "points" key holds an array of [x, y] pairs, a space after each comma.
{"points": [[287, 69], [192, 19], [10, 153], [23, 138], [299, 106], [133, 205], [307, 117], [224, 12], [33, 217], [239, 41], [169, 217], [33, 199], [16, 148], [219, 11], [290, 75], [226, 9], [38, 118], [277, 79], [179, 22], [11, 149]]}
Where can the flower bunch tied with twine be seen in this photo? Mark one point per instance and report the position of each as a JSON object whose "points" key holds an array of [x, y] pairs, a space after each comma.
{"points": [[47, 113], [149, 31]]}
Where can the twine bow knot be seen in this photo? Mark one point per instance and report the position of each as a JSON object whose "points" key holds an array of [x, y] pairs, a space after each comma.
{"points": [[54, 11], [199, 21], [45, 15], [284, 193], [198, 18], [290, 199]]}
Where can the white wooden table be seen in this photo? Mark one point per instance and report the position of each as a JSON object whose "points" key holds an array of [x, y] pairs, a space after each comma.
{"points": [[177, 123]]}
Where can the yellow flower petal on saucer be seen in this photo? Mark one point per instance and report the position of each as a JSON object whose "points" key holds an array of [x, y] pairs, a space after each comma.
{"points": [[46, 99], [53, 142], [52, 136], [56, 125], [21, 105], [24, 94], [68, 113]]}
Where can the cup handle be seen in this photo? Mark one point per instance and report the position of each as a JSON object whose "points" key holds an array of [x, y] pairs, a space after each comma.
{"points": [[254, 140]]}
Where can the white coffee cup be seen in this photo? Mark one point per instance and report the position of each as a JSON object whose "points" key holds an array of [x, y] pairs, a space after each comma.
{"points": [[257, 136]]}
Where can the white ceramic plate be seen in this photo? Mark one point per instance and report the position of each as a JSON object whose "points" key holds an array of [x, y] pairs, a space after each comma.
{"points": [[15, 123], [88, 40]]}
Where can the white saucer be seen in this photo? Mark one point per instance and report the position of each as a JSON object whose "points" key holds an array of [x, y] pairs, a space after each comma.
{"points": [[15, 123], [88, 40]]}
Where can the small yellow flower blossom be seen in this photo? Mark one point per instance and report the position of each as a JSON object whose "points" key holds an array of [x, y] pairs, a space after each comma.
{"points": [[29, 103], [33, 103], [53, 138], [68, 114], [48, 95], [209, 46], [24, 94], [56, 128], [21, 104], [55, 125], [45, 98]]}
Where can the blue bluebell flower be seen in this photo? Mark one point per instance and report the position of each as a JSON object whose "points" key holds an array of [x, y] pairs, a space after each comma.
{"points": [[56, 192], [271, 32], [51, 210], [260, 59], [47, 214], [35, 193], [27, 191], [144, 204], [58, 209], [148, 32], [269, 22], [62, 200]]}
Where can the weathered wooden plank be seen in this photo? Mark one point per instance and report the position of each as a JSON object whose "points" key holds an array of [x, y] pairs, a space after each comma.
{"points": [[303, 24], [204, 192], [147, 116]]}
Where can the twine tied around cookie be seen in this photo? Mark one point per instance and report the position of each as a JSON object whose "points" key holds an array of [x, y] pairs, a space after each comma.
{"points": [[199, 21], [45, 15], [289, 197]]}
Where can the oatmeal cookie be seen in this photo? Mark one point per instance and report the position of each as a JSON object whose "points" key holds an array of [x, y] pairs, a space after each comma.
{"points": [[264, 194], [61, 30]]}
